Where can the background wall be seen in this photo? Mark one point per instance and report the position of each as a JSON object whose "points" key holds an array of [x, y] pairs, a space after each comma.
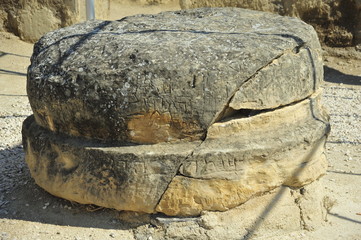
{"points": [[338, 22], [30, 19]]}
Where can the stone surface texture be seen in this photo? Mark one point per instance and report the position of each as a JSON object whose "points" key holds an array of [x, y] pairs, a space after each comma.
{"points": [[337, 22], [126, 178], [103, 79], [178, 112]]}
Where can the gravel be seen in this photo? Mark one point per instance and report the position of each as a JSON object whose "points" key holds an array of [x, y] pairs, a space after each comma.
{"points": [[12, 166], [344, 105]]}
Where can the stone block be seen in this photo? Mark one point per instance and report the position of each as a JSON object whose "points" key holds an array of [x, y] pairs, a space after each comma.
{"points": [[179, 112]]}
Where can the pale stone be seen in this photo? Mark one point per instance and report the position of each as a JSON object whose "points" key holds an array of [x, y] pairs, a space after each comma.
{"points": [[282, 210], [249, 156], [125, 178], [265, 122], [291, 81], [30, 19], [35, 22]]}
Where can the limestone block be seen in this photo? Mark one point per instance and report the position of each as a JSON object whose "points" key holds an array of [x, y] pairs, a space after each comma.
{"points": [[292, 81], [30, 19], [281, 210], [33, 22], [146, 2], [244, 157], [239, 159], [125, 178], [101, 79], [178, 112]]}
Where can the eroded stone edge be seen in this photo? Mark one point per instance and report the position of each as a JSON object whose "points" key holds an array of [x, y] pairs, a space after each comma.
{"points": [[230, 107], [309, 64], [70, 168], [314, 163], [187, 196]]}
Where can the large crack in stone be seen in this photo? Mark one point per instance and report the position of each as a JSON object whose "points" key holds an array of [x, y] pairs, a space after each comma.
{"points": [[230, 109], [229, 163], [229, 113], [226, 108], [218, 103], [177, 172]]}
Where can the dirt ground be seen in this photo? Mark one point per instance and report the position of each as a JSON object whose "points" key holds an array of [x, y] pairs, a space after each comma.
{"points": [[28, 212]]}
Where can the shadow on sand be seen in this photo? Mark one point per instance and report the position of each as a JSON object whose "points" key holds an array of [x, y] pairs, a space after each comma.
{"points": [[335, 76]]}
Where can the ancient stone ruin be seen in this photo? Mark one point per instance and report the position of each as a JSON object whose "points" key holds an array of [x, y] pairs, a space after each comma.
{"points": [[178, 112]]}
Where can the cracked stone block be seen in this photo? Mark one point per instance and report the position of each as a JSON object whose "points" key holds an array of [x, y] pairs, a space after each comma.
{"points": [[125, 178], [178, 112], [292, 81], [292, 211], [173, 73], [243, 157]]}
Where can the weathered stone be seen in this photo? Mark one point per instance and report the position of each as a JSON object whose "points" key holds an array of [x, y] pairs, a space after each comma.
{"points": [[278, 136], [261, 5], [239, 159], [285, 80], [176, 71], [277, 213], [336, 21], [247, 156], [30, 19], [223, 105], [358, 25], [125, 178], [282, 209]]}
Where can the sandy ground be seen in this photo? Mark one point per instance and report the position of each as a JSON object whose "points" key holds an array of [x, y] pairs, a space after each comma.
{"points": [[28, 212]]}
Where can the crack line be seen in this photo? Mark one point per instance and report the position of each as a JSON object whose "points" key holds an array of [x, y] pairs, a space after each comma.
{"points": [[220, 114], [177, 172]]}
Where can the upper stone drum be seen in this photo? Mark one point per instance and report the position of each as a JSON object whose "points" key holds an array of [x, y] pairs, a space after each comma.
{"points": [[177, 112]]}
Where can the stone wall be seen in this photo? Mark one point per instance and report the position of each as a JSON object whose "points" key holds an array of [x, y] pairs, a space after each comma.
{"points": [[337, 22], [30, 19], [146, 2], [358, 26]]}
